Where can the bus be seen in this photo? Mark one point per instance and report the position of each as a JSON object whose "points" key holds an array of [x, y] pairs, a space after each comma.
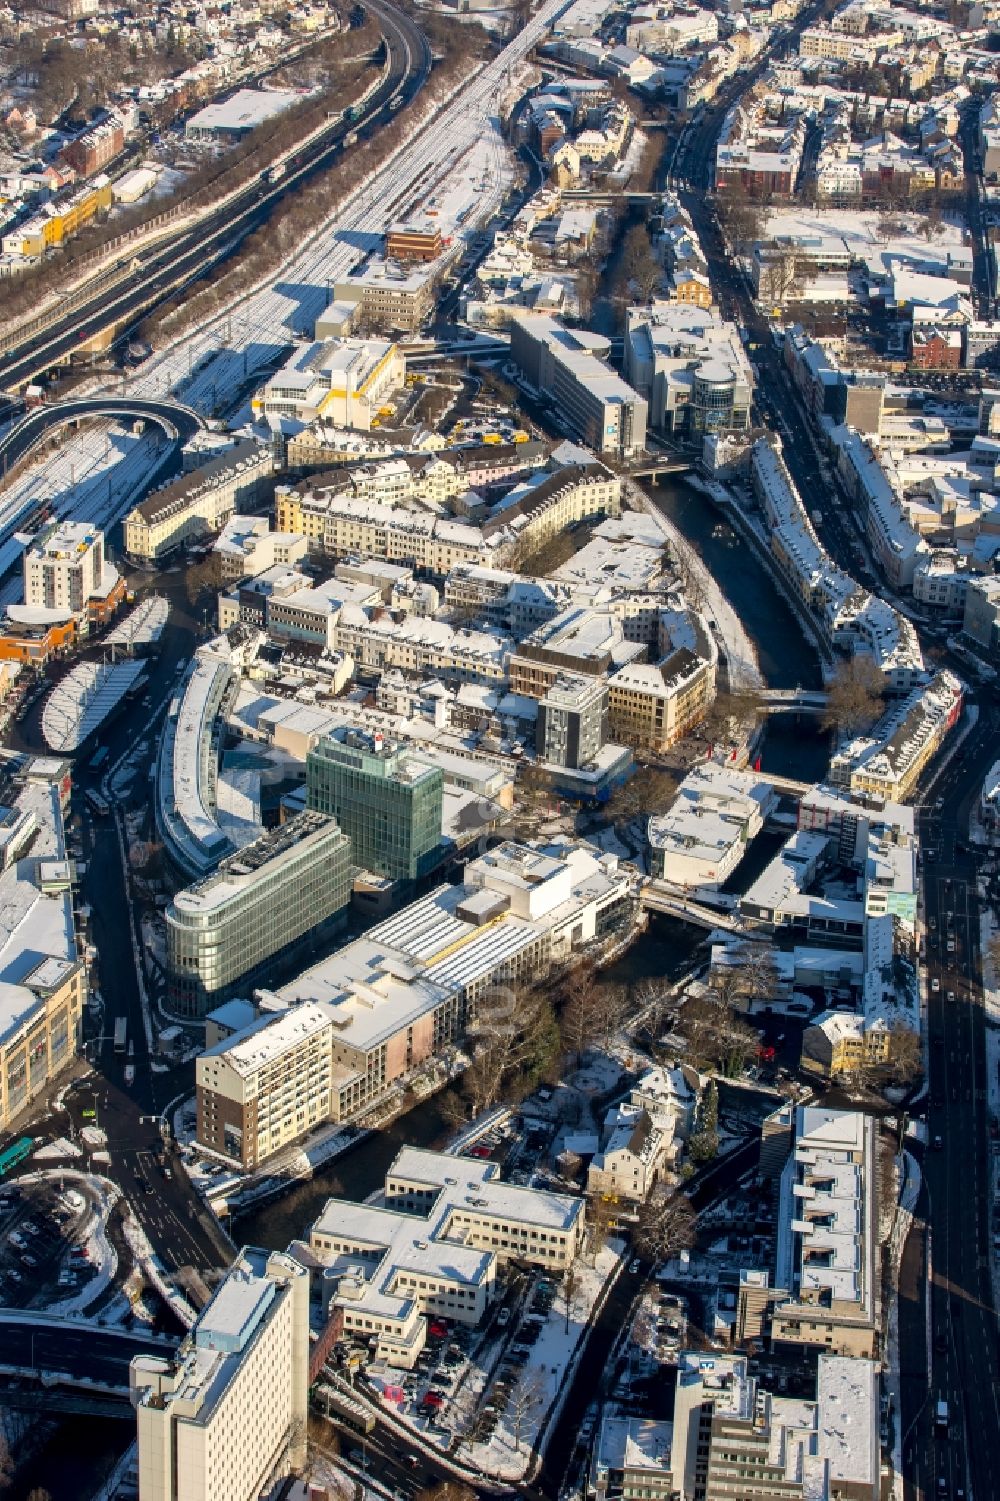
{"points": [[98, 759], [121, 1032], [12, 1155], [98, 803]]}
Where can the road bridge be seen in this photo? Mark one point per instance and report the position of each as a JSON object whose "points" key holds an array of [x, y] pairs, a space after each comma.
{"points": [[70, 1364], [652, 468], [177, 421]]}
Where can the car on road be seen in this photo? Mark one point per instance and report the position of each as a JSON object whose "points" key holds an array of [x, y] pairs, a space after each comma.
{"points": [[503, 1317], [634, 1267], [935, 984]]}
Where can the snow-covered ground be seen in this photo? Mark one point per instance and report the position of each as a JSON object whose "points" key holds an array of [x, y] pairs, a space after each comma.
{"points": [[506, 1454], [858, 229], [94, 476]]}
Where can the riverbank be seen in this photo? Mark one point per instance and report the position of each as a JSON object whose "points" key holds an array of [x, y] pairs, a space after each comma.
{"points": [[741, 655]]}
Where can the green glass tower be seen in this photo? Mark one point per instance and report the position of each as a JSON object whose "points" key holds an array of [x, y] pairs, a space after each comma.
{"points": [[383, 797]]}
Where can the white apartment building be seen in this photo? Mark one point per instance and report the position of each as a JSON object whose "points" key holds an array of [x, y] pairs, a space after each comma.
{"points": [[653, 705], [853, 620], [827, 1278], [247, 546], [643, 1136], [64, 567], [226, 1415], [888, 761], [377, 643], [344, 525], [718, 810], [435, 1247], [343, 381], [200, 503]]}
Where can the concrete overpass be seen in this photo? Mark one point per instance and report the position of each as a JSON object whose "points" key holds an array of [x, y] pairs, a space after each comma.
{"points": [[68, 1364], [177, 421]]}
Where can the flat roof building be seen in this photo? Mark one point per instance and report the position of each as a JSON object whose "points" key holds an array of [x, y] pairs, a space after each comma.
{"points": [[229, 120], [345, 1031], [291, 884], [385, 800], [435, 1245], [827, 1276], [568, 365], [704, 835], [226, 1415]]}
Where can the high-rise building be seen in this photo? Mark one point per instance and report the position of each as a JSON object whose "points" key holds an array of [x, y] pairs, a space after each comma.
{"points": [[64, 566], [572, 721], [226, 1415], [237, 922], [386, 800]]}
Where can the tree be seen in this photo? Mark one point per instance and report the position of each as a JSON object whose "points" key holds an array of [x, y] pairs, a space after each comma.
{"points": [[580, 1019], [568, 1289], [855, 696], [639, 266], [526, 1398], [905, 1056], [757, 972], [784, 275], [704, 1142], [514, 1040], [600, 1219], [742, 218], [665, 1225], [731, 715], [993, 952], [650, 789]]}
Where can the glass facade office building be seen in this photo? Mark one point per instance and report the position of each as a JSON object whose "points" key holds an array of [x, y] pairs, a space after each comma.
{"points": [[230, 927], [387, 801]]}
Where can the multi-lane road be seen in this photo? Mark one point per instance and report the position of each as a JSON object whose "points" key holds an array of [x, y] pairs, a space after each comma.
{"points": [[948, 1345], [947, 1318]]}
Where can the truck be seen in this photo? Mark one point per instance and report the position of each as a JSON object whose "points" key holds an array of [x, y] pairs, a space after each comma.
{"points": [[275, 173], [941, 1418], [121, 1033]]}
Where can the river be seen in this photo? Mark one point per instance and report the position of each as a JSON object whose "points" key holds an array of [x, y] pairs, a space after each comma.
{"points": [[793, 744]]}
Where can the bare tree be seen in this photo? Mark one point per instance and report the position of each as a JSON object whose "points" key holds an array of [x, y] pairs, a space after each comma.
{"points": [[525, 1400], [580, 1020], [855, 696], [600, 1219], [905, 1057], [515, 1040], [651, 789], [665, 1225]]}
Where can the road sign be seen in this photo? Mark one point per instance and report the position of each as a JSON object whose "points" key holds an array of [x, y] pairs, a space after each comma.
{"points": [[89, 1115]]}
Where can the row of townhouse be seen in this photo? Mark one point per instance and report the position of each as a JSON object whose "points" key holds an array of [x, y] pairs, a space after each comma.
{"points": [[200, 503], [852, 620]]}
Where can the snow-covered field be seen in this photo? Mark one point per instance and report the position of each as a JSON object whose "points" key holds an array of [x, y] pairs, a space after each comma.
{"points": [[858, 229]]}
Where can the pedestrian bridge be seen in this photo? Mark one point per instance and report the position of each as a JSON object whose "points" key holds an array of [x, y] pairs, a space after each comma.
{"points": [[803, 700], [662, 896]]}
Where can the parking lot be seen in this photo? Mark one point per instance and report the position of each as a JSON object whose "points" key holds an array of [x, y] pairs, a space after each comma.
{"points": [[44, 1257]]}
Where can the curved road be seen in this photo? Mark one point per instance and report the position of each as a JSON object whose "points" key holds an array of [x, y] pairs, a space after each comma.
{"points": [[164, 269]]}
